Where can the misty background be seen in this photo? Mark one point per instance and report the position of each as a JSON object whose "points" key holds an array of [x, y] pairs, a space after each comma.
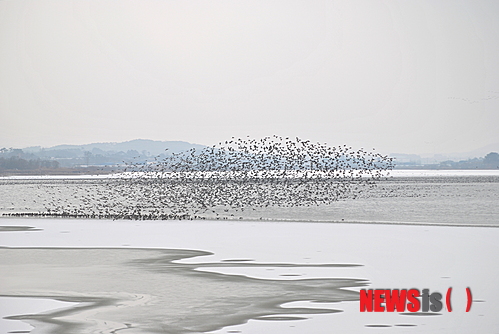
{"points": [[404, 77], [109, 157]]}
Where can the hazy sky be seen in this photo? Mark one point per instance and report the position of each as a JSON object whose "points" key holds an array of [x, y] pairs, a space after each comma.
{"points": [[400, 76]]}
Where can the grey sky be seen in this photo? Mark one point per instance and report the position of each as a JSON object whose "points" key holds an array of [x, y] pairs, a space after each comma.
{"points": [[399, 76]]}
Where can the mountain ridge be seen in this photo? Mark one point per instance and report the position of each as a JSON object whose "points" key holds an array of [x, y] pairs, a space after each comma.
{"points": [[152, 147]]}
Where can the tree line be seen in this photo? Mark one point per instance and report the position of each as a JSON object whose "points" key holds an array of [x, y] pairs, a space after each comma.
{"points": [[16, 163]]}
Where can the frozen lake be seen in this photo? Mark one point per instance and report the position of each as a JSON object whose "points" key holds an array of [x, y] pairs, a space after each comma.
{"points": [[77, 260], [298, 270]]}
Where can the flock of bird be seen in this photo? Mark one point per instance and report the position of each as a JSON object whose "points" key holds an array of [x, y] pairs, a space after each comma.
{"points": [[223, 180]]}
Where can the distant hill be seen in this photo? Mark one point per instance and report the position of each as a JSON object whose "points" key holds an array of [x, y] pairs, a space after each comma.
{"points": [[152, 147], [140, 150], [95, 154], [483, 151], [436, 159], [457, 156]]}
